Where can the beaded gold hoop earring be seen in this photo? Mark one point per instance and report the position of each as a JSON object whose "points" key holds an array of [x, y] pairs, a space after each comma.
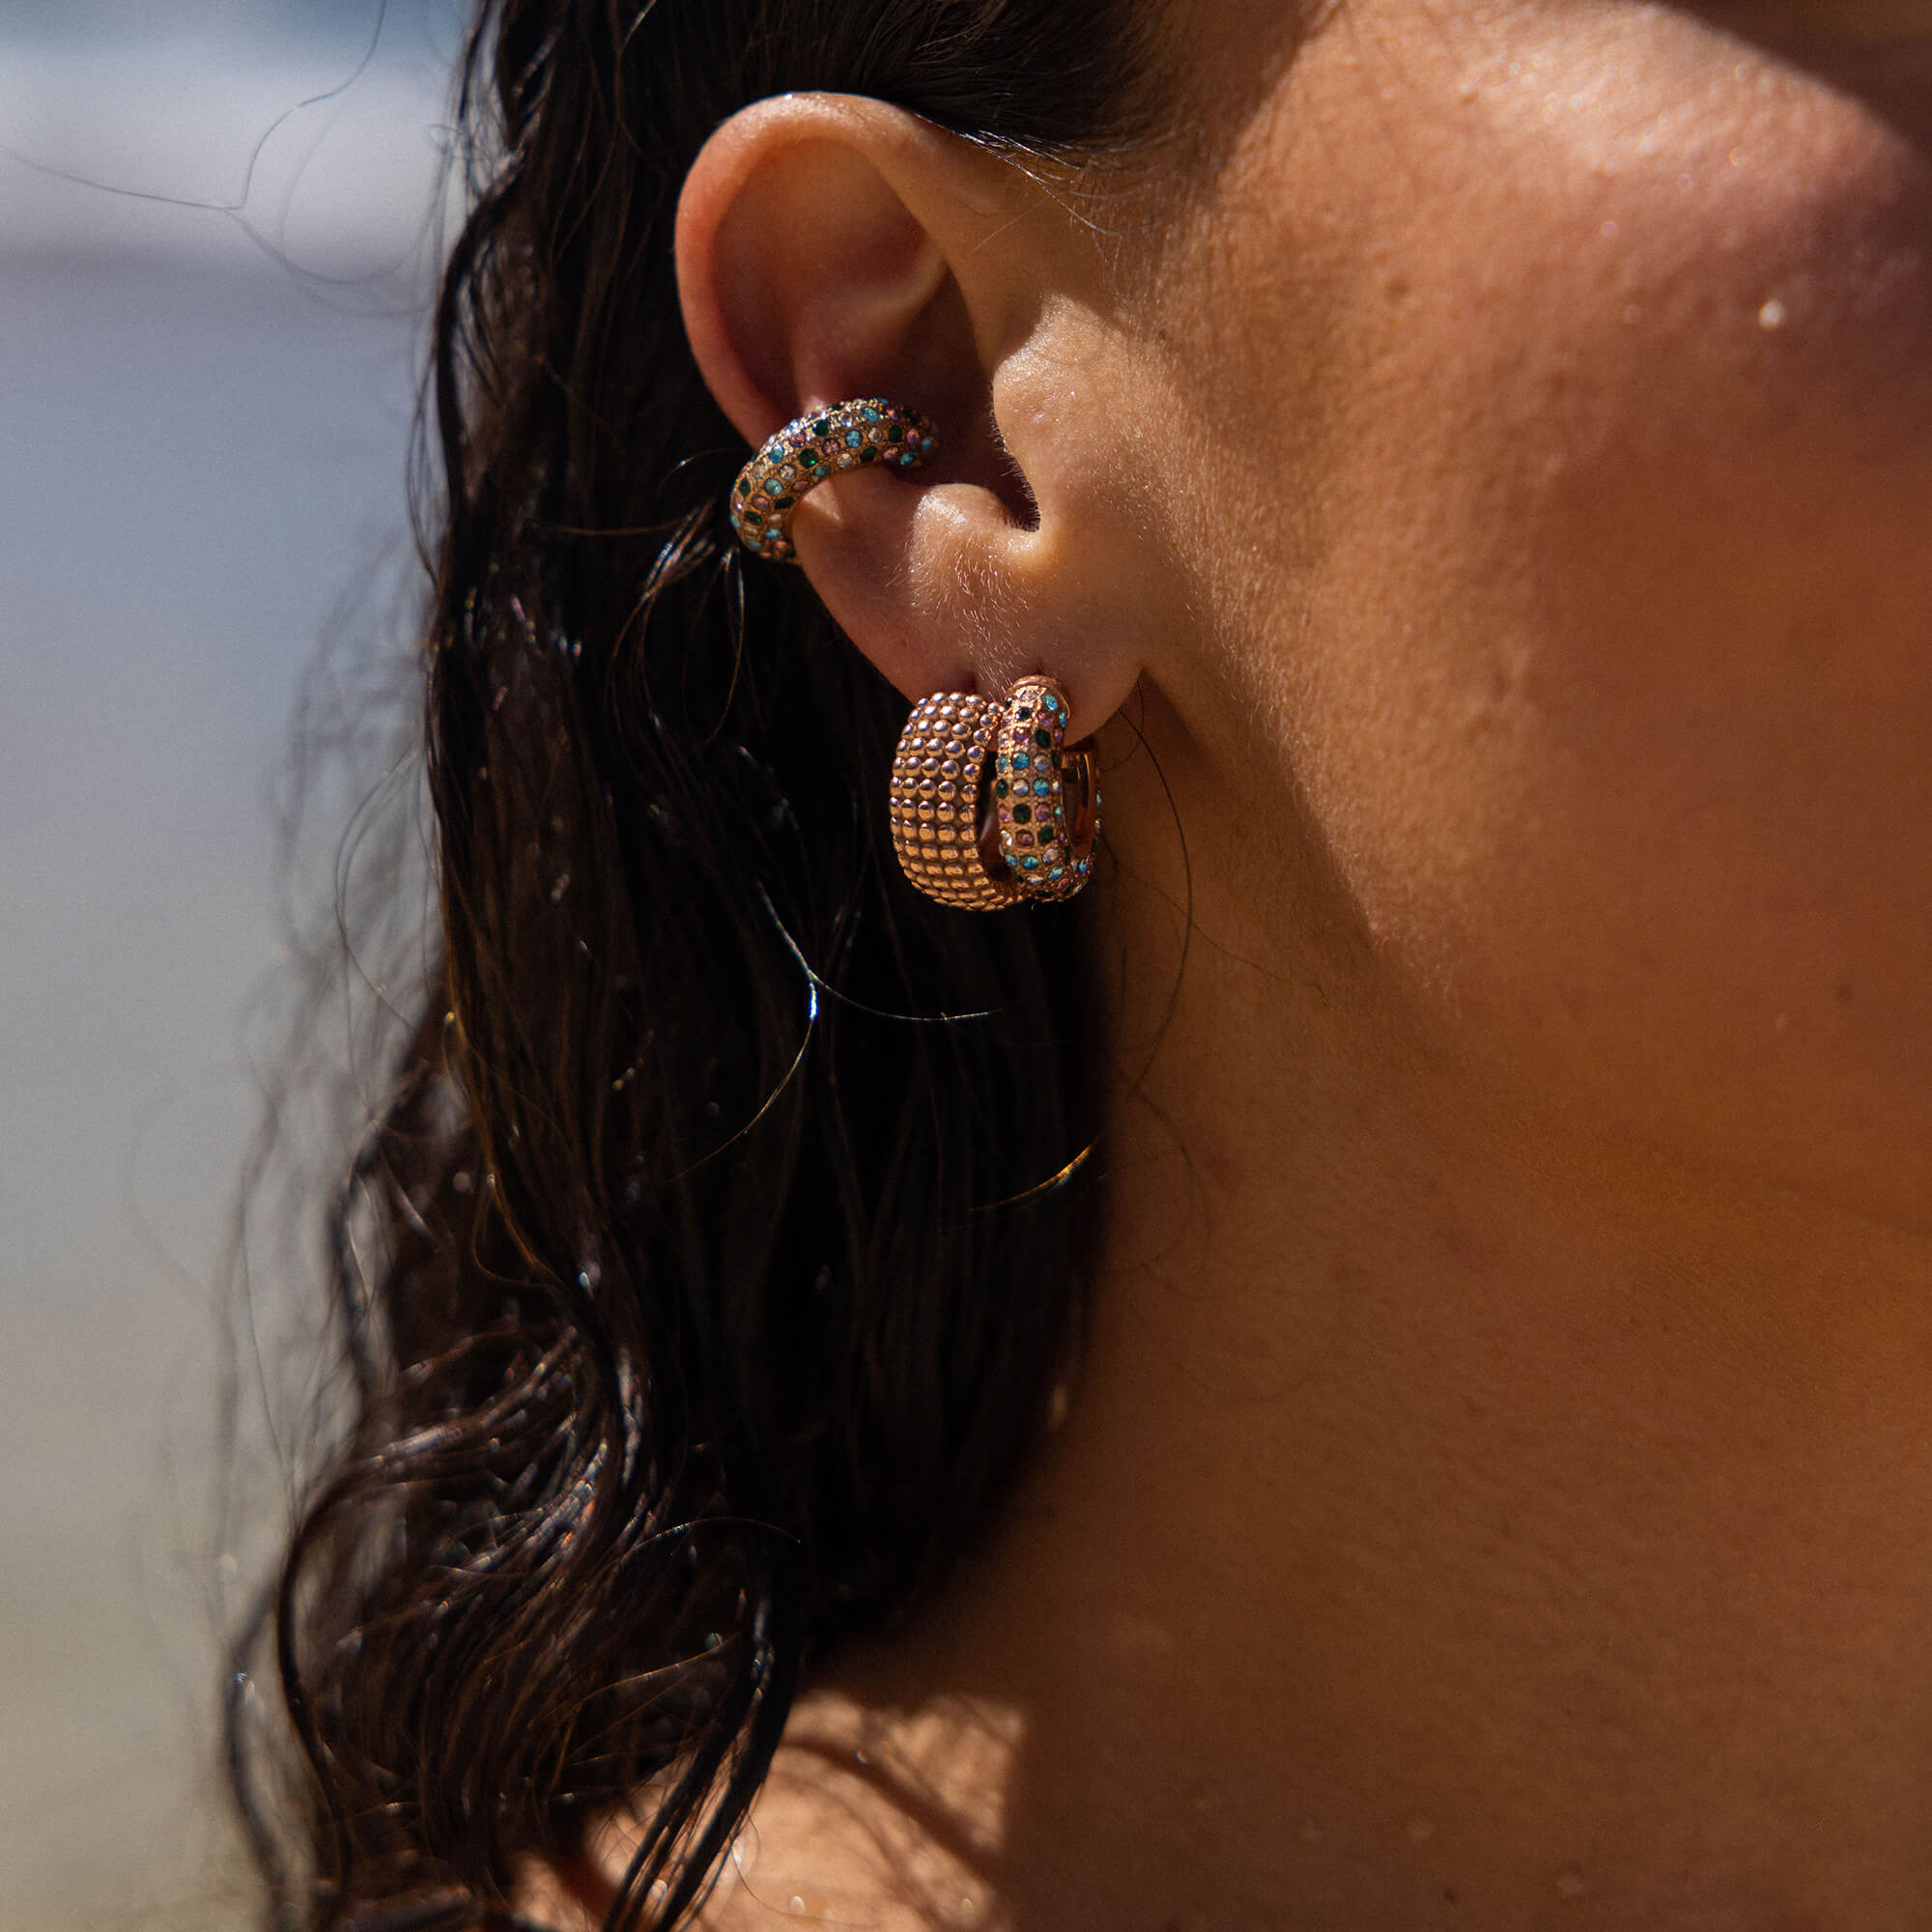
{"points": [[813, 450], [1033, 836], [938, 824]]}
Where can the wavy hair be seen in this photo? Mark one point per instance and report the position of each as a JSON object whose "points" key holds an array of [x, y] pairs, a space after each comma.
{"points": [[708, 1266]]}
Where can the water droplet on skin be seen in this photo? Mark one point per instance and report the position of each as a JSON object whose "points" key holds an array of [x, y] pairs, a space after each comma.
{"points": [[1570, 1884], [797, 1906], [1772, 316], [1421, 1831]]}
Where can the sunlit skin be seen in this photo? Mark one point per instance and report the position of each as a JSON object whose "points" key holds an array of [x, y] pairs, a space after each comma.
{"points": [[1498, 1487]]}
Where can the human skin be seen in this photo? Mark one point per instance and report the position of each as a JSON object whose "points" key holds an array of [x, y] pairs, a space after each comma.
{"points": [[1493, 532]]}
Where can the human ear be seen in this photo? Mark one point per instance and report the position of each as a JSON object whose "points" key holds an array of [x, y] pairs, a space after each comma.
{"points": [[829, 247]]}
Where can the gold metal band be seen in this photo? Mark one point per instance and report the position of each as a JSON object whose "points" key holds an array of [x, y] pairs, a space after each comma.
{"points": [[942, 761]]}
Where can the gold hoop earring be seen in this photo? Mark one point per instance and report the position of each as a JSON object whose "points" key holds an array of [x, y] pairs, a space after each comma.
{"points": [[989, 806], [814, 449]]}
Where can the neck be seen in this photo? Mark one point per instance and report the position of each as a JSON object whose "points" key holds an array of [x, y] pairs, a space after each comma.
{"points": [[1458, 1511], [1461, 1516]]}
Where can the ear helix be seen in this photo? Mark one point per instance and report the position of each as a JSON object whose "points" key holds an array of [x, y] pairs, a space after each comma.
{"points": [[989, 806]]}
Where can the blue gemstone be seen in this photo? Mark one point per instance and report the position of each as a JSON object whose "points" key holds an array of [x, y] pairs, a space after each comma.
{"points": [[1003, 764], [853, 438], [1060, 871], [1021, 762], [871, 415], [1031, 865], [1041, 787]]}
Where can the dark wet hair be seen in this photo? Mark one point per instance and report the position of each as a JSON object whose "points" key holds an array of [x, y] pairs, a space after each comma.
{"points": [[711, 1261]]}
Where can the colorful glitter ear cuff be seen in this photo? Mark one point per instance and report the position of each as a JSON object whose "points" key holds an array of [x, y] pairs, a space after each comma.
{"points": [[989, 805], [807, 453]]}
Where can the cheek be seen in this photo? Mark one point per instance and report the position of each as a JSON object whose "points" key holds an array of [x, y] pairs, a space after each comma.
{"points": [[1619, 715]]}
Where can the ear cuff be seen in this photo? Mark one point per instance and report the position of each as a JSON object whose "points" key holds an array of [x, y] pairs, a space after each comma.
{"points": [[810, 451]]}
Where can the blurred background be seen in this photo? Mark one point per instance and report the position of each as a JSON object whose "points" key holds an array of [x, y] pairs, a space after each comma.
{"points": [[216, 241]]}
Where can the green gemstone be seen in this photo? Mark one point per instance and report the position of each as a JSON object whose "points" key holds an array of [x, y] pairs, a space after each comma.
{"points": [[752, 518], [1022, 814], [1024, 713], [1001, 788], [810, 458], [1044, 740], [744, 486], [896, 434], [869, 454], [784, 503], [822, 427]]}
